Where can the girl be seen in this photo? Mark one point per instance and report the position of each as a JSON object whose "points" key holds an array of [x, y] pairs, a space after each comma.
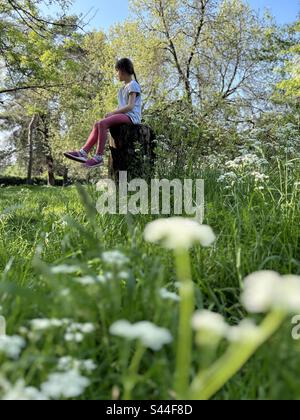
{"points": [[128, 112]]}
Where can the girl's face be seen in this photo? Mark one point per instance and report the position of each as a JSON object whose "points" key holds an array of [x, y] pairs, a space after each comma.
{"points": [[121, 75]]}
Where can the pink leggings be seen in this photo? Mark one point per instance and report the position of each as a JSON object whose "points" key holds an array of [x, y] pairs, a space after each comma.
{"points": [[100, 131]]}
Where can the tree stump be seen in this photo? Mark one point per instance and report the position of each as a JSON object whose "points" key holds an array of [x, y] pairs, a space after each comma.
{"points": [[131, 150]]}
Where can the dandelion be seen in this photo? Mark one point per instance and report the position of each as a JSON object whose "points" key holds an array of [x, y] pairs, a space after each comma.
{"points": [[178, 232], [68, 384], [150, 335]]}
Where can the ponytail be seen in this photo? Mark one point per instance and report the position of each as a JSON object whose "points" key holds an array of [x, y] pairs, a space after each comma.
{"points": [[135, 76]]}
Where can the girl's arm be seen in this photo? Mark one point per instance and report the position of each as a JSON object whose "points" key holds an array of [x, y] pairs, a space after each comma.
{"points": [[128, 107]]}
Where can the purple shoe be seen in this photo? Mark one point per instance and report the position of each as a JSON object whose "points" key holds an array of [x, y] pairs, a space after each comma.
{"points": [[78, 156], [95, 162]]}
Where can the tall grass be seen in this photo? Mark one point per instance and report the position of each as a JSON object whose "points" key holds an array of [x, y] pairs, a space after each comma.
{"points": [[44, 227]]}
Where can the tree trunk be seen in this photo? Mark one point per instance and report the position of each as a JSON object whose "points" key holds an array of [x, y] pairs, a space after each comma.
{"points": [[65, 175], [48, 151], [51, 178], [31, 128], [132, 150]]}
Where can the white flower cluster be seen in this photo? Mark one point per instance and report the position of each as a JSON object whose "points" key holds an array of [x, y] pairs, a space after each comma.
{"points": [[67, 363], [45, 323], [166, 294], [102, 278], [65, 269], [12, 345], [259, 177], [178, 232], [115, 258], [20, 392], [149, 334], [213, 324], [69, 384], [265, 290], [76, 331], [230, 177], [246, 160]]}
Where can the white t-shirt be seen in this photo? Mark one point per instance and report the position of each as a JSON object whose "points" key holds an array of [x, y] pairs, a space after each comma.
{"points": [[123, 97]]}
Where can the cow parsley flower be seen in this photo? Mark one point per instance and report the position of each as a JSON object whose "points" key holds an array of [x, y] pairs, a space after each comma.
{"points": [[150, 335], [11, 346], [211, 322], [115, 258], [265, 290], [67, 384], [166, 294], [178, 232]]}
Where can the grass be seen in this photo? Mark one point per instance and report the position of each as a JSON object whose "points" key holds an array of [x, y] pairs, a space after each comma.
{"points": [[256, 229]]}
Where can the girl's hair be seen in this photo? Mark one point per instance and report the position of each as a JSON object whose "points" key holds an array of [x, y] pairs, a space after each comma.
{"points": [[126, 65]]}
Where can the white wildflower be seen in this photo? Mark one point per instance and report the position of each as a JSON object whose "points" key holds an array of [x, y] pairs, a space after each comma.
{"points": [[265, 290], [123, 275], [65, 269], [45, 324], [76, 331], [178, 232], [77, 337], [11, 346], [288, 296], [149, 334], [247, 330], [258, 290], [67, 363], [166, 294], [115, 258], [68, 384], [20, 392], [211, 322]]}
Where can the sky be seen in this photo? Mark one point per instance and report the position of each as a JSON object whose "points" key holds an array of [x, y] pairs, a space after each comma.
{"points": [[110, 12]]}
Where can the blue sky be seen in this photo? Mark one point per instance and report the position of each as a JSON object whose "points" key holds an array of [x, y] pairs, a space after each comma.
{"points": [[112, 11]]}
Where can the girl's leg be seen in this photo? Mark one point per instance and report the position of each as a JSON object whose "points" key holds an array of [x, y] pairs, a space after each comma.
{"points": [[100, 131]]}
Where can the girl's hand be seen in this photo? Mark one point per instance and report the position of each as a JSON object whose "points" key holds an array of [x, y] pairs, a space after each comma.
{"points": [[109, 114]]}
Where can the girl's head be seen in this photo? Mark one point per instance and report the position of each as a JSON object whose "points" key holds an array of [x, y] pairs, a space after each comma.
{"points": [[125, 68]]}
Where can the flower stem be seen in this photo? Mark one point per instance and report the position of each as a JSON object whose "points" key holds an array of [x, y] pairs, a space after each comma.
{"points": [[207, 383], [131, 378], [184, 344]]}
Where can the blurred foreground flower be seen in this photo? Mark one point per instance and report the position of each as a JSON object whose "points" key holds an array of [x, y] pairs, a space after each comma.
{"points": [[149, 334], [178, 232], [265, 290]]}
